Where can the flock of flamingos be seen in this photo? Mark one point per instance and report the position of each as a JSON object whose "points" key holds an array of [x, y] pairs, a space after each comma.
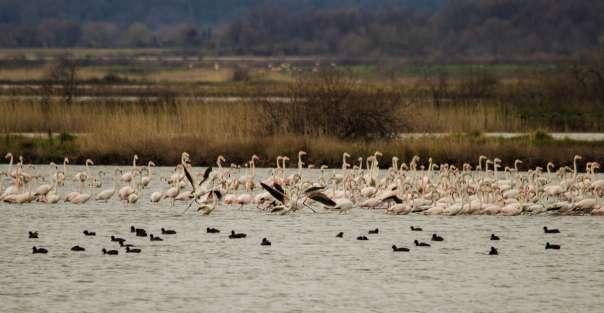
{"points": [[488, 188]]}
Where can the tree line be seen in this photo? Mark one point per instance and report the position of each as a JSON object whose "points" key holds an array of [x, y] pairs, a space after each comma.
{"points": [[399, 28]]}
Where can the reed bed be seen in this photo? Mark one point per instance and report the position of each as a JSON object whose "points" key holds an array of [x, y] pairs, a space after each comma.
{"points": [[112, 132]]}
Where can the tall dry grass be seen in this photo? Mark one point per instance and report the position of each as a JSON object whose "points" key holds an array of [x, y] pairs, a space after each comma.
{"points": [[112, 132]]}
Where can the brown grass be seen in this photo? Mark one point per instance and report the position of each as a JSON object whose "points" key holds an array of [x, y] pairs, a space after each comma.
{"points": [[112, 133]]}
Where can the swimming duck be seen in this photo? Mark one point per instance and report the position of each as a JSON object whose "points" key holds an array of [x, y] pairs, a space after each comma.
{"points": [[421, 244], [362, 238], [340, 235], [122, 244], [152, 238], [493, 237], [109, 252], [117, 239], [89, 233], [234, 235], [132, 250], [77, 248], [36, 250], [33, 235], [436, 237], [550, 231], [168, 232], [211, 230], [549, 246], [416, 228], [401, 249], [493, 251], [265, 242], [374, 231]]}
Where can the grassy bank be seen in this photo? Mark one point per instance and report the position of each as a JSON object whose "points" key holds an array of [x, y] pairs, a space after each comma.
{"points": [[534, 149]]}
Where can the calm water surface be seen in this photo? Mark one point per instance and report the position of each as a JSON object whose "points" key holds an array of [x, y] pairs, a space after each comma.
{"points": [[306, 269]]}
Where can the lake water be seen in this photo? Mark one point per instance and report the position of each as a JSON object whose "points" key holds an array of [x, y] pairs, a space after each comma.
{"points": [[307, 269]]}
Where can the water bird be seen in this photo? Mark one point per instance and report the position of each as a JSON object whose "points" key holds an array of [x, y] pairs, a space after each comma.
{"points": [[340, 235], [399, 249], [168, 232], [122, 244], [493, 237], [421, 244], [33, 235], [77, 248], [374, 231], [36, 250], [549, 246], [117, 239], [89, 233], [362, 238], [132, 250], [109, 252], [416, 228], [153, 238], [550, 231], [493, 251], [234, 235], [436, 237], [140, 232], [265, 242], [211, 230]]}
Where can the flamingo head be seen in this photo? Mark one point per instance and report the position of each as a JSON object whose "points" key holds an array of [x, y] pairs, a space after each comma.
{"points": [[377, 153], [66, 160], [577, 157], [323, 167], [89, 162], [8, 156], [301, 153], [135, 157], [256, 158], [151, 163]]}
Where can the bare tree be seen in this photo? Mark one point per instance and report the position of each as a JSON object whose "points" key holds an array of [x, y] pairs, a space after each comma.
{"points": [[61, 79]]}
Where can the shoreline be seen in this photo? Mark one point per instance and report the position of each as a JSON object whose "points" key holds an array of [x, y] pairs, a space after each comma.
{"points": [[535, 150]]}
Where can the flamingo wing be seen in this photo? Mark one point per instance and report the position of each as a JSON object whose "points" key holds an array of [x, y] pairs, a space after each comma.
{"points": [[279, 195], [206, 174], [322, 198]]}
